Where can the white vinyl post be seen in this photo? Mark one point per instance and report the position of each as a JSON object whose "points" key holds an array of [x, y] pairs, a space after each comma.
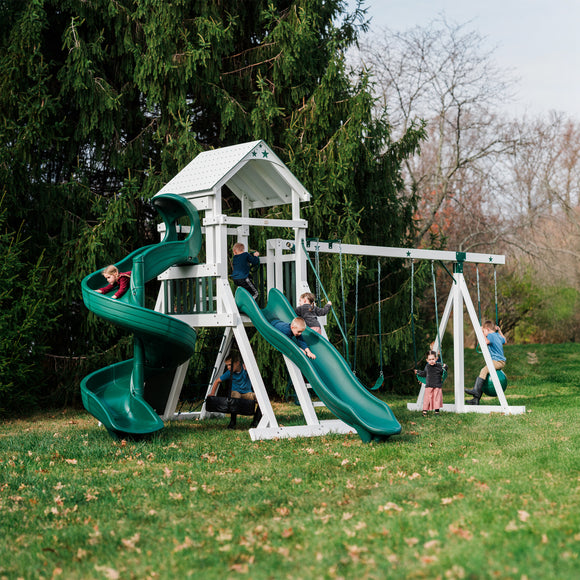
{"points": [[458, 338]]}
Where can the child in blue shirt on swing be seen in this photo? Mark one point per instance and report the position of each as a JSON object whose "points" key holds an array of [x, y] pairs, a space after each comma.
{"points": [[495, 340]]}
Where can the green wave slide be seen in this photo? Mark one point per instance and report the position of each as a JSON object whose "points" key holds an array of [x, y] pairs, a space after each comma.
{"points": [[329, 375], [128, 397]]}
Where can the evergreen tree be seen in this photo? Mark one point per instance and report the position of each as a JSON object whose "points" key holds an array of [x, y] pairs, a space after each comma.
{"points": [[28, 312], [103, 102]]}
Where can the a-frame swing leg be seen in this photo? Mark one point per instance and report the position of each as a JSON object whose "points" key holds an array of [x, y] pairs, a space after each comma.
{"points": [[503, 404], [418, 406]]}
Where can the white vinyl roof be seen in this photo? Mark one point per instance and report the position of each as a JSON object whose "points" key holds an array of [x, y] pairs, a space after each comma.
{"points": [[249, 169]]}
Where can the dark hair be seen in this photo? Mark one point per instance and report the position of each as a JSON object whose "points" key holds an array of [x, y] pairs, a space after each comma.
{"points": [[431, 352]]}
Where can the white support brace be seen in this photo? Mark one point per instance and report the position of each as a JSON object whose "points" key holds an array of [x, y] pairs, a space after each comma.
{"points": [[302, 392], [219, 365], [175, 391], [229, 304]]}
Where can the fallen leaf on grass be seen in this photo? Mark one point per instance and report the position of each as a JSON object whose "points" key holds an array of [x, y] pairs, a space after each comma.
{"points": [[448, 500], [355, 552], [224, 536], [187, 543], [523, 515], [411, 541], [390, 506], [131, 543], [455, 572], [461, 532], [109, 573]]}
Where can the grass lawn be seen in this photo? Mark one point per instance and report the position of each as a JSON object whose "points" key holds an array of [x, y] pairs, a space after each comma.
{"points": [[455, 496]]}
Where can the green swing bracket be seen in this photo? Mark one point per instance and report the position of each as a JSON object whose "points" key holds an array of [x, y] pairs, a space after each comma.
{"points": [[458, 265]]}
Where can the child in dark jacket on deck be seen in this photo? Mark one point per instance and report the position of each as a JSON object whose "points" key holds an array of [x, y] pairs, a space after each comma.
{"points": [[242, 261]]}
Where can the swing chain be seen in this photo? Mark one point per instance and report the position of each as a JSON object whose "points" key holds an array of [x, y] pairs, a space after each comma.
{"points": [[355, 316], [436, 310], [413, 311], [495, 290]]}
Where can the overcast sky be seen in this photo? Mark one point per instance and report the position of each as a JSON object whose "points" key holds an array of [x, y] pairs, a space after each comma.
{"points": [[537, 40]]}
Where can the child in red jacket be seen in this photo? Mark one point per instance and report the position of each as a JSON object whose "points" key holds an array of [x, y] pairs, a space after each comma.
{"points": [[115, 279]]}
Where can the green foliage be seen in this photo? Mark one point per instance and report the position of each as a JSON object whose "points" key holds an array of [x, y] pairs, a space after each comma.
{"points": [[28, 302], [103, 102], [533, 311]]}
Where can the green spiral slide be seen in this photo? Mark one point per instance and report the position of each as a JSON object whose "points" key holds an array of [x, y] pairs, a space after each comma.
{"points": [[128, 397], [329, 374]]}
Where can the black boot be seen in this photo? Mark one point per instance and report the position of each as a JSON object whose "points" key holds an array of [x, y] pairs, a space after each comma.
{"points": [[476, 392], [232, 424], [257, 417]]}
